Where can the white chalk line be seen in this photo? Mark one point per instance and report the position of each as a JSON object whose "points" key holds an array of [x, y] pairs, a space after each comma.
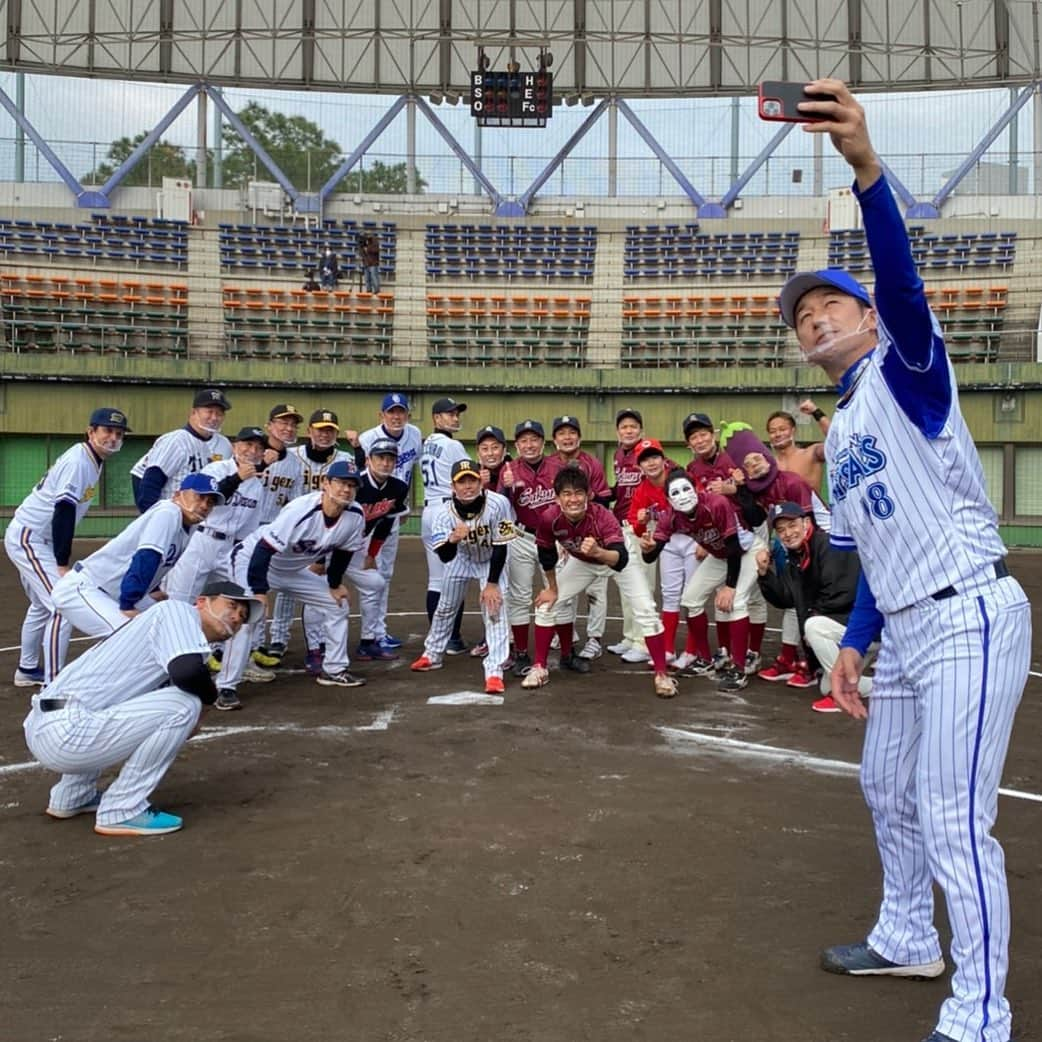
{"points": [[381, 722], [794, 757]]}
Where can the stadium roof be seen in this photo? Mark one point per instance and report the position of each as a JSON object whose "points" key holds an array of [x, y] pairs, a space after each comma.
{"points": [[629, 48]]}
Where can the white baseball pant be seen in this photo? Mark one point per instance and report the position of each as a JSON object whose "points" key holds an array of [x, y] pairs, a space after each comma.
{"points": [[709, 577], [630, 631], [371, 586], [575, 576], [144, 733], [947, 685], [822, 636], [678, 563], [33, 556], [497, 627], [522, 567], [435, 565], [313, 592]]}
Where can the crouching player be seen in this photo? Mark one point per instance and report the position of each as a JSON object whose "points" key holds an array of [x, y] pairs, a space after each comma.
{"points": [[593, 538], [728, 572], [470, 534]]}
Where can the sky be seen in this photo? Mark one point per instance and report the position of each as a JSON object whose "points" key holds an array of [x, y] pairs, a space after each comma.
{"points": [[921, 135]]}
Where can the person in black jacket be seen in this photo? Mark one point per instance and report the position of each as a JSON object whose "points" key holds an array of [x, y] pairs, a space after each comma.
{"points": [[818, 582]]}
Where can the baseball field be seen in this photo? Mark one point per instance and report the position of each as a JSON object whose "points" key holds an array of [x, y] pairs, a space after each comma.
{"points": [[585, 862]]}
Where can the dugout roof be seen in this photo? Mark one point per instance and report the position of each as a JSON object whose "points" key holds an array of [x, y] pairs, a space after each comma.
{"points": [[629, 48]]}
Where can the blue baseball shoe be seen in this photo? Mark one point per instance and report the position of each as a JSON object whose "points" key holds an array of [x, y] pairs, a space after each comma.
{"points": [[390, 642], [28, 677], [150, 822], [70, 812], [859, 960]]}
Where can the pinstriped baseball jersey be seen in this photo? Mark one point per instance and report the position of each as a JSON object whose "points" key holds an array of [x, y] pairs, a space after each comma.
{"points": [[439, 453], [887, 478], [302, 534], [240, 515], [160, 528], [134, 659], [492, 527], [182, 452], [72, 479], [281, 482], [314, 470], [410, 445]]}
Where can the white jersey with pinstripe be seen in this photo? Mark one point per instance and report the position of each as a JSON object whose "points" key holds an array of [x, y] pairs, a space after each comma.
{"points": [[179, 453], [119, 707], [888, 480], [494, 526], [314, 470], [281, 483]]}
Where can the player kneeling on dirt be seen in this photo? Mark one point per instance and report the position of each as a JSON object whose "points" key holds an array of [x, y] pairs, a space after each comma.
{"points": [[470, 534], [135, 697], [593, 538]]}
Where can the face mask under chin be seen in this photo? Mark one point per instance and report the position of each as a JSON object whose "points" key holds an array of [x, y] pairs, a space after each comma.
{"points": [[829, 347]]}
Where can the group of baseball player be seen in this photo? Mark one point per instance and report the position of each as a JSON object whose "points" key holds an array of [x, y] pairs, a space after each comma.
{"points": [[928, 591]]}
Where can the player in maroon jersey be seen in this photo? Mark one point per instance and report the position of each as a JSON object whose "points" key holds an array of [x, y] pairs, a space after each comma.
{"points": [[567, 436], [712, 467], [728, 572], [528, 482], [592, 536]]}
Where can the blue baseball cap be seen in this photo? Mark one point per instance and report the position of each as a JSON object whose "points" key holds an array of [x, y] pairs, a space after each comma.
{"points": [[804, 281], [345, 470], [106, 417], [526, 426], [394, 400], [204, 484]]}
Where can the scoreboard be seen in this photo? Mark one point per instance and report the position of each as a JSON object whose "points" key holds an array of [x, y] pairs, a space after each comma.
{"points": [[512, 99]]}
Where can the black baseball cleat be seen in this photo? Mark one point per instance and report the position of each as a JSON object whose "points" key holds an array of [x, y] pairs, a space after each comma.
{"points": [[576, 664], [522, 664]]}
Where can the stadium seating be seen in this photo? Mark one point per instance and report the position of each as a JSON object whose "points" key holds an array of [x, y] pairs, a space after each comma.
{"points": [[508, 251], [972, 318], [281, 250], [683, 251], [295, 325], [60, 312], [507, 330], [961, 252], [110, 239], [737, 328]]}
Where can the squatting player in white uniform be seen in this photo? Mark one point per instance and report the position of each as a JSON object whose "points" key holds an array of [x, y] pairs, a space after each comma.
{"points": [[122, 578], [39, 538], [470, 536], [394, 424], [135, 697], [440, 451], [908, 493], [158, 474], [286, 555]]}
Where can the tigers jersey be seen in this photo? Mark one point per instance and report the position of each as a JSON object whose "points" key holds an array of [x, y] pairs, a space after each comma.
{"points": [[181, 452], [134, 659], [160, 528], [494, 526], [410, 444], [302, 534], [72, 479], [281, 482], [314, 470], [436, 459], [240, 514]]}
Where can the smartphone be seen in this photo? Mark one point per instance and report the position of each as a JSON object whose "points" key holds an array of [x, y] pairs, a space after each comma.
{"points": [[778, 101]]}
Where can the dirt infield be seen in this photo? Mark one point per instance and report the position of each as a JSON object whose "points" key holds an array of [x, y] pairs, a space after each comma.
{"points": [[584, 862]]}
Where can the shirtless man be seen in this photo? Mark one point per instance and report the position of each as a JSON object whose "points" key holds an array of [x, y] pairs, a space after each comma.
{"points": [[808, 461]]}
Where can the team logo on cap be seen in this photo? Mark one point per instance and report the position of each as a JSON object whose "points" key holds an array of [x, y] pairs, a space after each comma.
{"points": [[116, 418], [327, 417], [396, 398], [566, 421], [216, 396]]}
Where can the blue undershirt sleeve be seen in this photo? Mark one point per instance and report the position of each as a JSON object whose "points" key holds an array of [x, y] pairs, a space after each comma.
{"points": [[138, 580], [151, 488], [916, 363], [257, 571], [866, 621]]}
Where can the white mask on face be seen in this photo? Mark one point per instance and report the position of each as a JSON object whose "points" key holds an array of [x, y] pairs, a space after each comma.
{"points": [[828, 347], [682, 496], [224, 623]]}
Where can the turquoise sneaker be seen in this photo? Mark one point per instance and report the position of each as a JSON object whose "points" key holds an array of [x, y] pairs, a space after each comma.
{"points": [[150, 822], [70, 812]]}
